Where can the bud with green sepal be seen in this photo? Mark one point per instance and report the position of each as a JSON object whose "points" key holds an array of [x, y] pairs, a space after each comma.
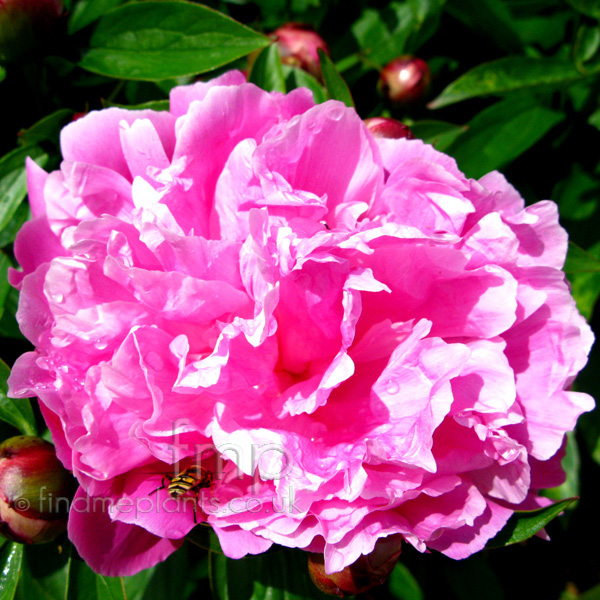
{"points": [[35, 491]]}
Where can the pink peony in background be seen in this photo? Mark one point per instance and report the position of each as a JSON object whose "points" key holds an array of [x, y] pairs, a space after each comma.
{"points": [[357, 340]]}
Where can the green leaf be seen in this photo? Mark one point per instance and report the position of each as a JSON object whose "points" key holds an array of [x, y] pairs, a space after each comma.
{"points": [[507, 75], [374, 38], [136, 586], [267, 71], [594, 119], [86, 12], [16, 412], [490, 18], [157, 40], [468, 577], [8, 324], [525, 524], [426, 16], [204, 537], [403, 586], [336, 86], [571, 464], [13, 180], [280, 574], [297, 78], [591, 8], [583, 270], [587, 42], [438, 133], [577, 195], [8, 234], [501, 133], [46, 129], [2, 73], [591, 594], [157, 105], [582, 261], [545, 32], [396, 29], [178, 573], [4, 285], [84, 583], [11, 556], [110, 588], [45, 572]]}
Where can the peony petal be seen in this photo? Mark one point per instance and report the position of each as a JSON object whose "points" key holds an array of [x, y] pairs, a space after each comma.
{"points": [[94, 139], [345, 169], [237, 543], [465, 541], [122, 549]]}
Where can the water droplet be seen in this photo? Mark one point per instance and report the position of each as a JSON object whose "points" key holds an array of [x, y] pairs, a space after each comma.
{"points": [[58, 298], [510, 455], [100, 344], [337, 113], [392, 388]]}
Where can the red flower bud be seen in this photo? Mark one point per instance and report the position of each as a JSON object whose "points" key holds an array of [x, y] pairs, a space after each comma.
{"points": [[367, 572], [405, 80], [25, 25], [382, 127], [35, 491], [298, 45]]}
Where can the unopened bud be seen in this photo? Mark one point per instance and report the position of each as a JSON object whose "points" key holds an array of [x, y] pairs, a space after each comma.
{"points": [[25, 25], [366, 573], [298, 46], [405, 80], [382, 127], [35, 491]]}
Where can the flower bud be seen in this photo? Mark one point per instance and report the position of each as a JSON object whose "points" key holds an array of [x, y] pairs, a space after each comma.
{"points": [[24, 25], [382, 127], [367, 572], [405, 80], [35, 491], [298, 45]]}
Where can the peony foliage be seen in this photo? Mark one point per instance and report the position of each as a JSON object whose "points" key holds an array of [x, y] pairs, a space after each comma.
{"points": [[257, 332]]}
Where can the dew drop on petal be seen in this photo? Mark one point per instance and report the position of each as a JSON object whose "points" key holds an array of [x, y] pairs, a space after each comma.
{"points": [[392, 388]]}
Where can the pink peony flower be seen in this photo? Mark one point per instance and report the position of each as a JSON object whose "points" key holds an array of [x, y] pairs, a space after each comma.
{"points": [[353, 339]]}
